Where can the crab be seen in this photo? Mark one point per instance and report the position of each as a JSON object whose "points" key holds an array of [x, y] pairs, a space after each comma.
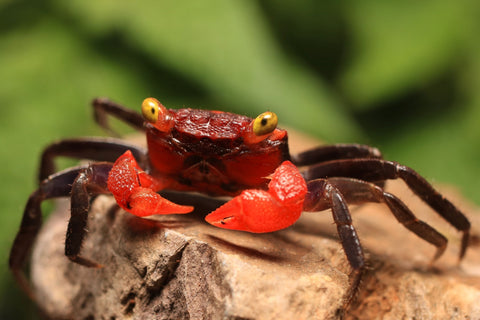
{"points": [[224, 154]]}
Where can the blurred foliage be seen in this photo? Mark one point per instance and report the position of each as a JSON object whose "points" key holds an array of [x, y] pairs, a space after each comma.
{"points": [[401, 75]]}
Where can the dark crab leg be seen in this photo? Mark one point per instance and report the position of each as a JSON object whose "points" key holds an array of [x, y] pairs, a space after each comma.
{"points": [[335, 152], [97, 149], [91, 181], [103, 107], [322, 195], [56, 185], [378, 170], [358, 192]]}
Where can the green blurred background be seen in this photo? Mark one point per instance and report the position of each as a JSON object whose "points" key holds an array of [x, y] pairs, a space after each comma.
{"points": [[401, 75]]}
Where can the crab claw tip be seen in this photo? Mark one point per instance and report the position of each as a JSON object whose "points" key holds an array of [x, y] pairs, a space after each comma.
{"points": [[218, 222], [227, 217]]}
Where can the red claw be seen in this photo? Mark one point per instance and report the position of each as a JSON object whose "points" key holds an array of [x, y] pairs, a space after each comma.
{"points": [[135, 191], [145, 202], [265, 211]]}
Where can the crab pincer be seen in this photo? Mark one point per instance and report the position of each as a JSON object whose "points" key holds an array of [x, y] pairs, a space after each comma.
{"points": [[261, 211], [135, 190]]}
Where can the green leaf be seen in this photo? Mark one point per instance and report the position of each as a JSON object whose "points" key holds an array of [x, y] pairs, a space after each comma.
{"points": [[401, 45], [227, 49]]}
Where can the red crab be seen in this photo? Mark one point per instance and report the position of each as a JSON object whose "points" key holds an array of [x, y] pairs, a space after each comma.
{"points": [[224, 154]]}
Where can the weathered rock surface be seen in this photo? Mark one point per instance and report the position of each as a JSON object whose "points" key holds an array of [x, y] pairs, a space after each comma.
{"points": [[179, 267]]}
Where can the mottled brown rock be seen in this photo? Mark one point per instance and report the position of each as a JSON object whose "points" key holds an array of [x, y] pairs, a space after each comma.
{"points": [[178, 267]]}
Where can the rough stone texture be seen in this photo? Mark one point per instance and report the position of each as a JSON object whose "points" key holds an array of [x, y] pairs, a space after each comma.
{"points": [[179, 267]]}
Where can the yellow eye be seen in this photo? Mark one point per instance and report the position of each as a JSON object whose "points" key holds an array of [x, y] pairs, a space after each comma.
{"points": [[150, 109], [265, 123]]}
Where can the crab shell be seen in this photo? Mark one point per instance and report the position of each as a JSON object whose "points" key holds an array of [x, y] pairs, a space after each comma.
{"points": [[213, 152]]}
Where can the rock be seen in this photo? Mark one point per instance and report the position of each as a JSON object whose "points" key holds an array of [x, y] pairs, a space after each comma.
{"points": [[179, 267]]}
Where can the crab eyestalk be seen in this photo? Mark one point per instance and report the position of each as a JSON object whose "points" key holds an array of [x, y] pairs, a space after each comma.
{"points": [[156, 114], [261, 127]]}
